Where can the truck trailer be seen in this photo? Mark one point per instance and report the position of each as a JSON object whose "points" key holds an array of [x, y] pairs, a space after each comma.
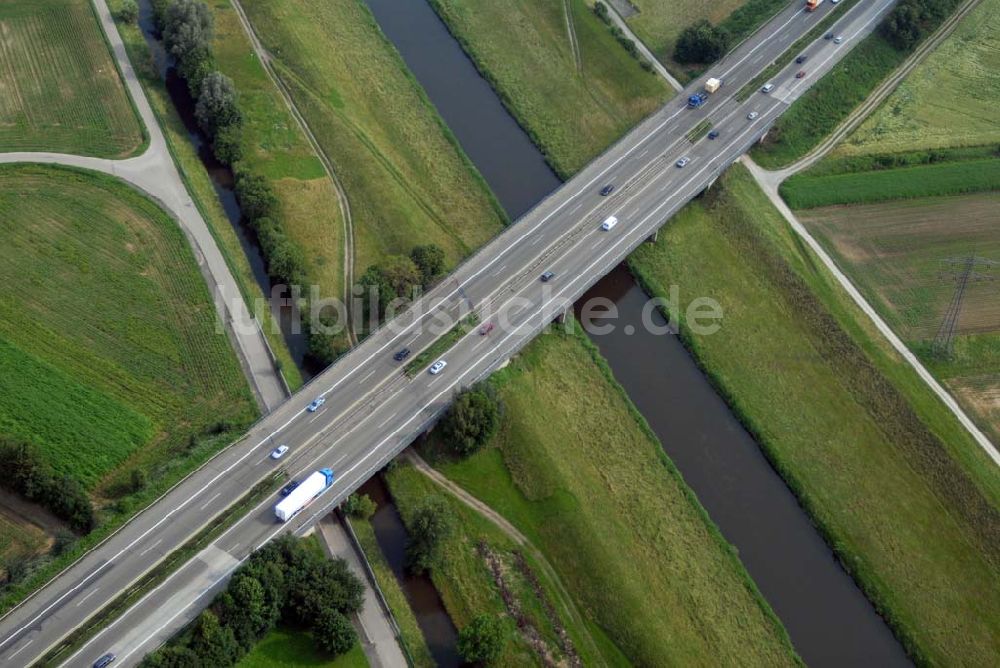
{"points": [[811, 5], [300, 497]]}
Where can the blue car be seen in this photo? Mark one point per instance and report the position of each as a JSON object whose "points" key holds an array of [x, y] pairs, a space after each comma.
{"points": [[289, 488], [105, 660], [314, 406]]}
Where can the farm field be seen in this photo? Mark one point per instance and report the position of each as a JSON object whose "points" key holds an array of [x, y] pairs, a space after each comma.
{"points": [[949, 100], [276, 147], [581, 475], [380, 138], [469, 584], [905, 257], [899, 489], [59, 87], [288, 648], [111, 360], [572, 102]]}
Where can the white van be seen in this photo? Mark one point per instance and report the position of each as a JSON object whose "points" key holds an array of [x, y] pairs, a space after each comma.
{"points": [[610, 222]]}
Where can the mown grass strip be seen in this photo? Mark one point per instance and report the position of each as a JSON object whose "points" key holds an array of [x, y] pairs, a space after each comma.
{"points": [[159, 573], [442, 344], [803, 191], [699, 131]]}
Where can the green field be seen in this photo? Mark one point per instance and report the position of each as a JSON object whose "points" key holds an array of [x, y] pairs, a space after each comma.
{"points": [[950, 99], [406, 178], [901, 492], [202, 191], [110, 355], [276, 147], [805, 191], [828, 102], [572, 107], [59, 88], [469, 586], [287, 648], [581, 475], [902, 256]]}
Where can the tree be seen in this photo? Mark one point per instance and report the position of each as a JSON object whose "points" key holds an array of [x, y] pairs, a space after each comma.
{"points": [[472, 419], [903, 28], [482, 640], [429, 260], [128, 12], [213, 643], [227, 147], [187, 34], [360, 506], [375, 285], [333, 632], [173, 656], [402, 274], [701, 42], [255, 196], [217, 105], [430, 525]]}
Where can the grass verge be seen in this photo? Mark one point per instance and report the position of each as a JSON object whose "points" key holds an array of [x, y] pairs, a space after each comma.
{"points": [[289, 648], [441, 345], [579, 472], [900, 491]]}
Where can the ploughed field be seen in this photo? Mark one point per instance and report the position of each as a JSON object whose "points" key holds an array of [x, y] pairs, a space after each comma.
{"points": [[59, 87]]}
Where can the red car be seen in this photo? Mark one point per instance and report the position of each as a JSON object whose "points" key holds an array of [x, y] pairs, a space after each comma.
{"points": [[486, 329], [800, 74]]}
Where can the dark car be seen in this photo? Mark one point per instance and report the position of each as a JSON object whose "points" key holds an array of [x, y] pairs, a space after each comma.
{"points": [[401, 355], [713, 134], [801, 59], [105, 660], [607, 190], [287, 489], [800, 74], [547, 276], [828, 35]]}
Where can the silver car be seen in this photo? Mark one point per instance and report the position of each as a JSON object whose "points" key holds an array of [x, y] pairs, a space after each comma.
{"points": [[437, 367]]}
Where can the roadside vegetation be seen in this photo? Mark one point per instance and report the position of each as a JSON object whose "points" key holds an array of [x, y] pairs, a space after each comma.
{"points": [[406, 177], [901, 492], [289, 581], [61, 90], [949, 100], [200, 187], [830, 100], [114, 380], [576, 469], [289, 648], [560, 72]]}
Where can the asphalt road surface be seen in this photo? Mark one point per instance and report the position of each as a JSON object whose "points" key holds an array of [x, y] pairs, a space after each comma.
{"points": [[372, 409]]}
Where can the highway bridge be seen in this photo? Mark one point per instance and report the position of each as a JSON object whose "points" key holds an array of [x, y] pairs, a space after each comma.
{"points": [[373, 410]]}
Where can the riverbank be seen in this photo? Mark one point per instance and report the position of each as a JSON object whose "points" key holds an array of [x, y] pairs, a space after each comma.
{"points": [[859, 440]]}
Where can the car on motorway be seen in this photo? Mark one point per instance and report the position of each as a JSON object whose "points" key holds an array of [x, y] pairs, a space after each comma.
{"points": [[800, 74], [279, 452], [289, 488], [767, 88], [548, 276], [752, 115], [401, 355], [317, 402], [486, 329], [608, 223], [683, 161], [801, 59], [828, 35], [838, 39], [105, 660], [833, 2], [713, 134], [437, 367], [607, 190]]}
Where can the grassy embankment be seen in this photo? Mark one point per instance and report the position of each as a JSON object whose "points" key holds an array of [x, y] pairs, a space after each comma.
{"points": [[407, 180], [571, 111], [948, 100], [110, 357], [659, 23], [61, 90], [276, 147], [480, 567], [411, 636], [285, 648], [200, 188], [899, 489], [583, 477]]}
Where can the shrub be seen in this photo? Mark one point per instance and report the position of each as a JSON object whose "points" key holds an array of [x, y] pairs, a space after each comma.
{"points": [[255, 196], [701, 42], [187, 35], [482, 640], [333, 632], [128, 12], [360, 506], [217, 107], [429, 260], [472, 419], [227, 147], [429, 526]]}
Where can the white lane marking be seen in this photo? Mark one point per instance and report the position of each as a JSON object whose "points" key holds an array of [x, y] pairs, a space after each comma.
{"points": [[21, 648], [266, 457], [209, 502], [537, 239], [760, 43], [233, 547], [575, 209], [596, 244], [644, 152], [386, 421], [315, 417], [367, 376], [499, 271], [150, 547], [86, 596]]}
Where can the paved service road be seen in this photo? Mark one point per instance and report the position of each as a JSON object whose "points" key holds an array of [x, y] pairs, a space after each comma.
{"points": [[372, 409]]}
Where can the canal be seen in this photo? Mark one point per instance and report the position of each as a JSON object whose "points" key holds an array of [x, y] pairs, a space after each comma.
{"points": [[830, 621]]}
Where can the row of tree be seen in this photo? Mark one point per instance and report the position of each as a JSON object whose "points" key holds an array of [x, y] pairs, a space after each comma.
{"points": [[285, 582], [24, 472], [911, 20], [400, 277]]}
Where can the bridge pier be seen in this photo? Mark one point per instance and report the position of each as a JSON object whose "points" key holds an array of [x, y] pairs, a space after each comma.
{"points": [[651, 239], [560, 318]]}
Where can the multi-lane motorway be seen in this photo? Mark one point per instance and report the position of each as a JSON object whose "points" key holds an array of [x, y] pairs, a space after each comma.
{"points": [[373, 410]]}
